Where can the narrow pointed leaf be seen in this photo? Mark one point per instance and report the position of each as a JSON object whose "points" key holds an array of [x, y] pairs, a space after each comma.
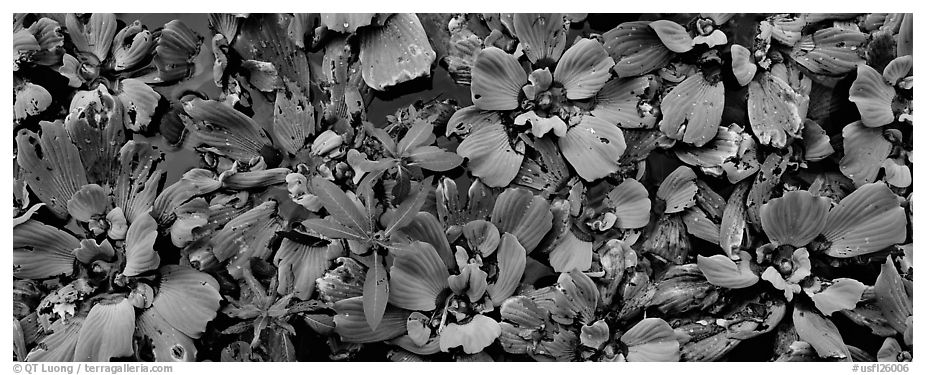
{"points": [[375, 292], [340, 206], [409, 207]]}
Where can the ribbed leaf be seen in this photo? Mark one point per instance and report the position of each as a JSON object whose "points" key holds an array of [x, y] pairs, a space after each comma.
{"points": [[547, 172], [830, 51], [51, 165], [187, 299], [139, 249], [59, 344], [865, 151], [668, 239], [794, 219], [95, 35], [891, 297], [699, 225], [265, 37], [542, 36], [491, 157], [673, 35], [765, 184], [733, 224], [511, 262], [248, 234], [298, 265], [636, 49], [651, 340], [743, 68], [95, 125], [571, 253], [820, 333], [873, 96], [396, 52], [471, 281], [418, 277], [139, 101], [524, 215], [41, 251], [351, 325], [106, 333], [584, 69], [678, 190], [167, 343], [347, 22], [229, 132], [90, 202], [176, 51], [691, 110], [226, 24], [631, 204], [595, 335], [137, 183], [868, 220], [522, 311], [425, 227], [773, 111], [497, 80], [468, 119], [619, 102], [293, 118], [817, 144], [593, 147], [722, 271], [842, 295], [786, 28], [564, 347], [898, 69], [481, 236], [91, 251], [580, 293]]}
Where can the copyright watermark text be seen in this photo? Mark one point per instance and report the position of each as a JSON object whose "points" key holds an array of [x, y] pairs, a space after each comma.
{"points": [[881, 367], [88, 368]]}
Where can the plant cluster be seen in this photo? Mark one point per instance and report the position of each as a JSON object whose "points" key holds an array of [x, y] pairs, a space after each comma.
{"points": [[680, 187]]}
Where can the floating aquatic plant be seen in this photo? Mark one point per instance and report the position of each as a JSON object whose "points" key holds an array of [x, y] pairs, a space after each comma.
{"points": [[463, 187]]}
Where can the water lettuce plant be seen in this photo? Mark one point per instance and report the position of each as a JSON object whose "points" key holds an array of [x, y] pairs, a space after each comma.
{"points": [[463, 187]]}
